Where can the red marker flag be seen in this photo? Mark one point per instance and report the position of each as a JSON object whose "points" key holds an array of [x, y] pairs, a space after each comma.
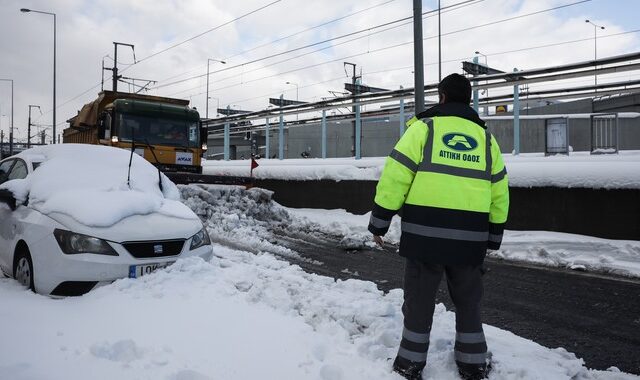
{"points": [[254, 164]]}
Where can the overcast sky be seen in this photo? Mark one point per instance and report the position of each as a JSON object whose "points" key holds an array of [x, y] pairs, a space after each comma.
{"points": [[86, 30]]}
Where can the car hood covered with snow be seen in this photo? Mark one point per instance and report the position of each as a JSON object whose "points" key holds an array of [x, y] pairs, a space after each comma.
{"points": [[91, 186]]}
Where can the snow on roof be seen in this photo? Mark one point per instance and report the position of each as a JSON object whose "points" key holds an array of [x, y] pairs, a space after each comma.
{"points": [[89, 184]]}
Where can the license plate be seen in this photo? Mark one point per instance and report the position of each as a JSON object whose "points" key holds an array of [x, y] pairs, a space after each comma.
{"points": [[141, 270]]}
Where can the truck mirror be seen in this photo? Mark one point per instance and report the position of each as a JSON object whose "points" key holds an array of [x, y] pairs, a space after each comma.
{"points": [[6, 196], [101, 127], [204, 135]]}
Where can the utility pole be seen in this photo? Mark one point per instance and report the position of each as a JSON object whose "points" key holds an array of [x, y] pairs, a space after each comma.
{"points": [[29, 125], [354, 81], [116, 77], [11, 130], [418, 59], [439, 46]]}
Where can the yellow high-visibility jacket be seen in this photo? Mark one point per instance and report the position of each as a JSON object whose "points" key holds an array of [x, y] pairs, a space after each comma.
{"points": [[448, 176]]}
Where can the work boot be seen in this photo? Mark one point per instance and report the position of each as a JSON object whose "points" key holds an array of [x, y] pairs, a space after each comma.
{"points": [[410, 372], [473, 372]]}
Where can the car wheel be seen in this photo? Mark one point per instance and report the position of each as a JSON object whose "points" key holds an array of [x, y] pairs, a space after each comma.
{"points": [[23, 268]]}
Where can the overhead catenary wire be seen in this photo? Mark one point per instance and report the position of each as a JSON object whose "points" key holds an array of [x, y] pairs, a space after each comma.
{"points": [[287, 37], [312, 45], [371, 51], [208, 31], [457, 6]]}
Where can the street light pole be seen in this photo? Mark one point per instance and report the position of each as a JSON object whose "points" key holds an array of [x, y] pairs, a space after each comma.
{"points": [[595, 49], [25, 10], [207, 105], [11, 131]]}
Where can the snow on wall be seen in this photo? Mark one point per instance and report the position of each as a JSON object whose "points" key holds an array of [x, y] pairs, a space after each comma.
{"points": [[580, 169]]}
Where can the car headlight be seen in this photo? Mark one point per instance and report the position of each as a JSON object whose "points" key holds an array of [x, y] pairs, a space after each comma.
{"points": [[72, 243], [200, 239]]}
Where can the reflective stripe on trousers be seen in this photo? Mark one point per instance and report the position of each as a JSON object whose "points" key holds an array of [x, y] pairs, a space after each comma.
{"points": [[471, 348], [414, 346]]}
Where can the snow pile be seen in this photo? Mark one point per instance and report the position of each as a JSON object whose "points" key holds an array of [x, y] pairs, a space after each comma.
{"points": [[250, 220], [620, 257], [580, 169], [244, 219], [89, 184], [241, 316], [578, 252]]}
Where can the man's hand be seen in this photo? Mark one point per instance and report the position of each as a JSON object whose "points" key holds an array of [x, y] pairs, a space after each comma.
{"points": [[378, 240]]}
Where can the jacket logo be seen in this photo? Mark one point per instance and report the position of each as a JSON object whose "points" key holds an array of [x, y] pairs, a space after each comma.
{"points": [[459, 142]]}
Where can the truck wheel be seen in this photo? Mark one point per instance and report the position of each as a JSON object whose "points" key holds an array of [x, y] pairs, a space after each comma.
{"points": [[23, 268]]}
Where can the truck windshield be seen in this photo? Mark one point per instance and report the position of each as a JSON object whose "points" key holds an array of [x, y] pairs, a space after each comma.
{"points": [[158, 131]]}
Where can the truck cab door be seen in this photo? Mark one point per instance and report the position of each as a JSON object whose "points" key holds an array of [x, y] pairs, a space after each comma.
{"points": [[105, 127]]}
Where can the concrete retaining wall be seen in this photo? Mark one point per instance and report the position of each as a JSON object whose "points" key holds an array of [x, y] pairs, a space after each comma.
{"points": [[611, 214]]}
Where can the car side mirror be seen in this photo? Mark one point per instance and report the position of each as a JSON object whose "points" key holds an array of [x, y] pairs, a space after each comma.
{"points": [[6, 196]]}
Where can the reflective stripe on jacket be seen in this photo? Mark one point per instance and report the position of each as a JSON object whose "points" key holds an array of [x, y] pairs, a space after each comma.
{"points": [[447, 175]]}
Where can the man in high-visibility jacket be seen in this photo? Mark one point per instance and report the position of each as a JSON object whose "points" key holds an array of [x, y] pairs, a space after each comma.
{"points": [[447, 175]]}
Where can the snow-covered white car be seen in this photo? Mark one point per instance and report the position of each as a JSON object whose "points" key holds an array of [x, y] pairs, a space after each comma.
{"points": [[73, 217]]}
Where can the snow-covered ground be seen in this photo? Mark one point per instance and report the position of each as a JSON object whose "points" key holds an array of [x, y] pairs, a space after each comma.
{"points": [[240, 316], [246, 314], [580, 169]]}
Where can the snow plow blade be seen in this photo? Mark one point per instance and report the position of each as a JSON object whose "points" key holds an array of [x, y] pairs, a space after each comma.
{"points": [[189, 178]]}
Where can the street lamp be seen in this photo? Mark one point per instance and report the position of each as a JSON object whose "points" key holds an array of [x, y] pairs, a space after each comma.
{"points": [[207, 106], [29, 124], [485, 91], [25, 10], [486, 63], [297, 88], [595, 48], [11, 130]]}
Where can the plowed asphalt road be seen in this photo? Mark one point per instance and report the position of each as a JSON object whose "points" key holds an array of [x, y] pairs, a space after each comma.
{"points": [[596, 317]]}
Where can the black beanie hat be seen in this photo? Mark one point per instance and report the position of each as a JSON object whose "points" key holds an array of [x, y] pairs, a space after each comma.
{"points": [[456, 88]]}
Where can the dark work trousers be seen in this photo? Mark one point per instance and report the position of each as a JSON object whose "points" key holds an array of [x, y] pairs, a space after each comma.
{"points": [[421, 283]]}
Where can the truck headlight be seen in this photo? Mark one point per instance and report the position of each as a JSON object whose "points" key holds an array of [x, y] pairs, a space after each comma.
{"points": [[204, 146], [200, 239], [72, 243]]}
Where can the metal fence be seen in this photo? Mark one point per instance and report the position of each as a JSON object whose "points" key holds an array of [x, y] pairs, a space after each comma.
{"points": [[604, 133]]}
